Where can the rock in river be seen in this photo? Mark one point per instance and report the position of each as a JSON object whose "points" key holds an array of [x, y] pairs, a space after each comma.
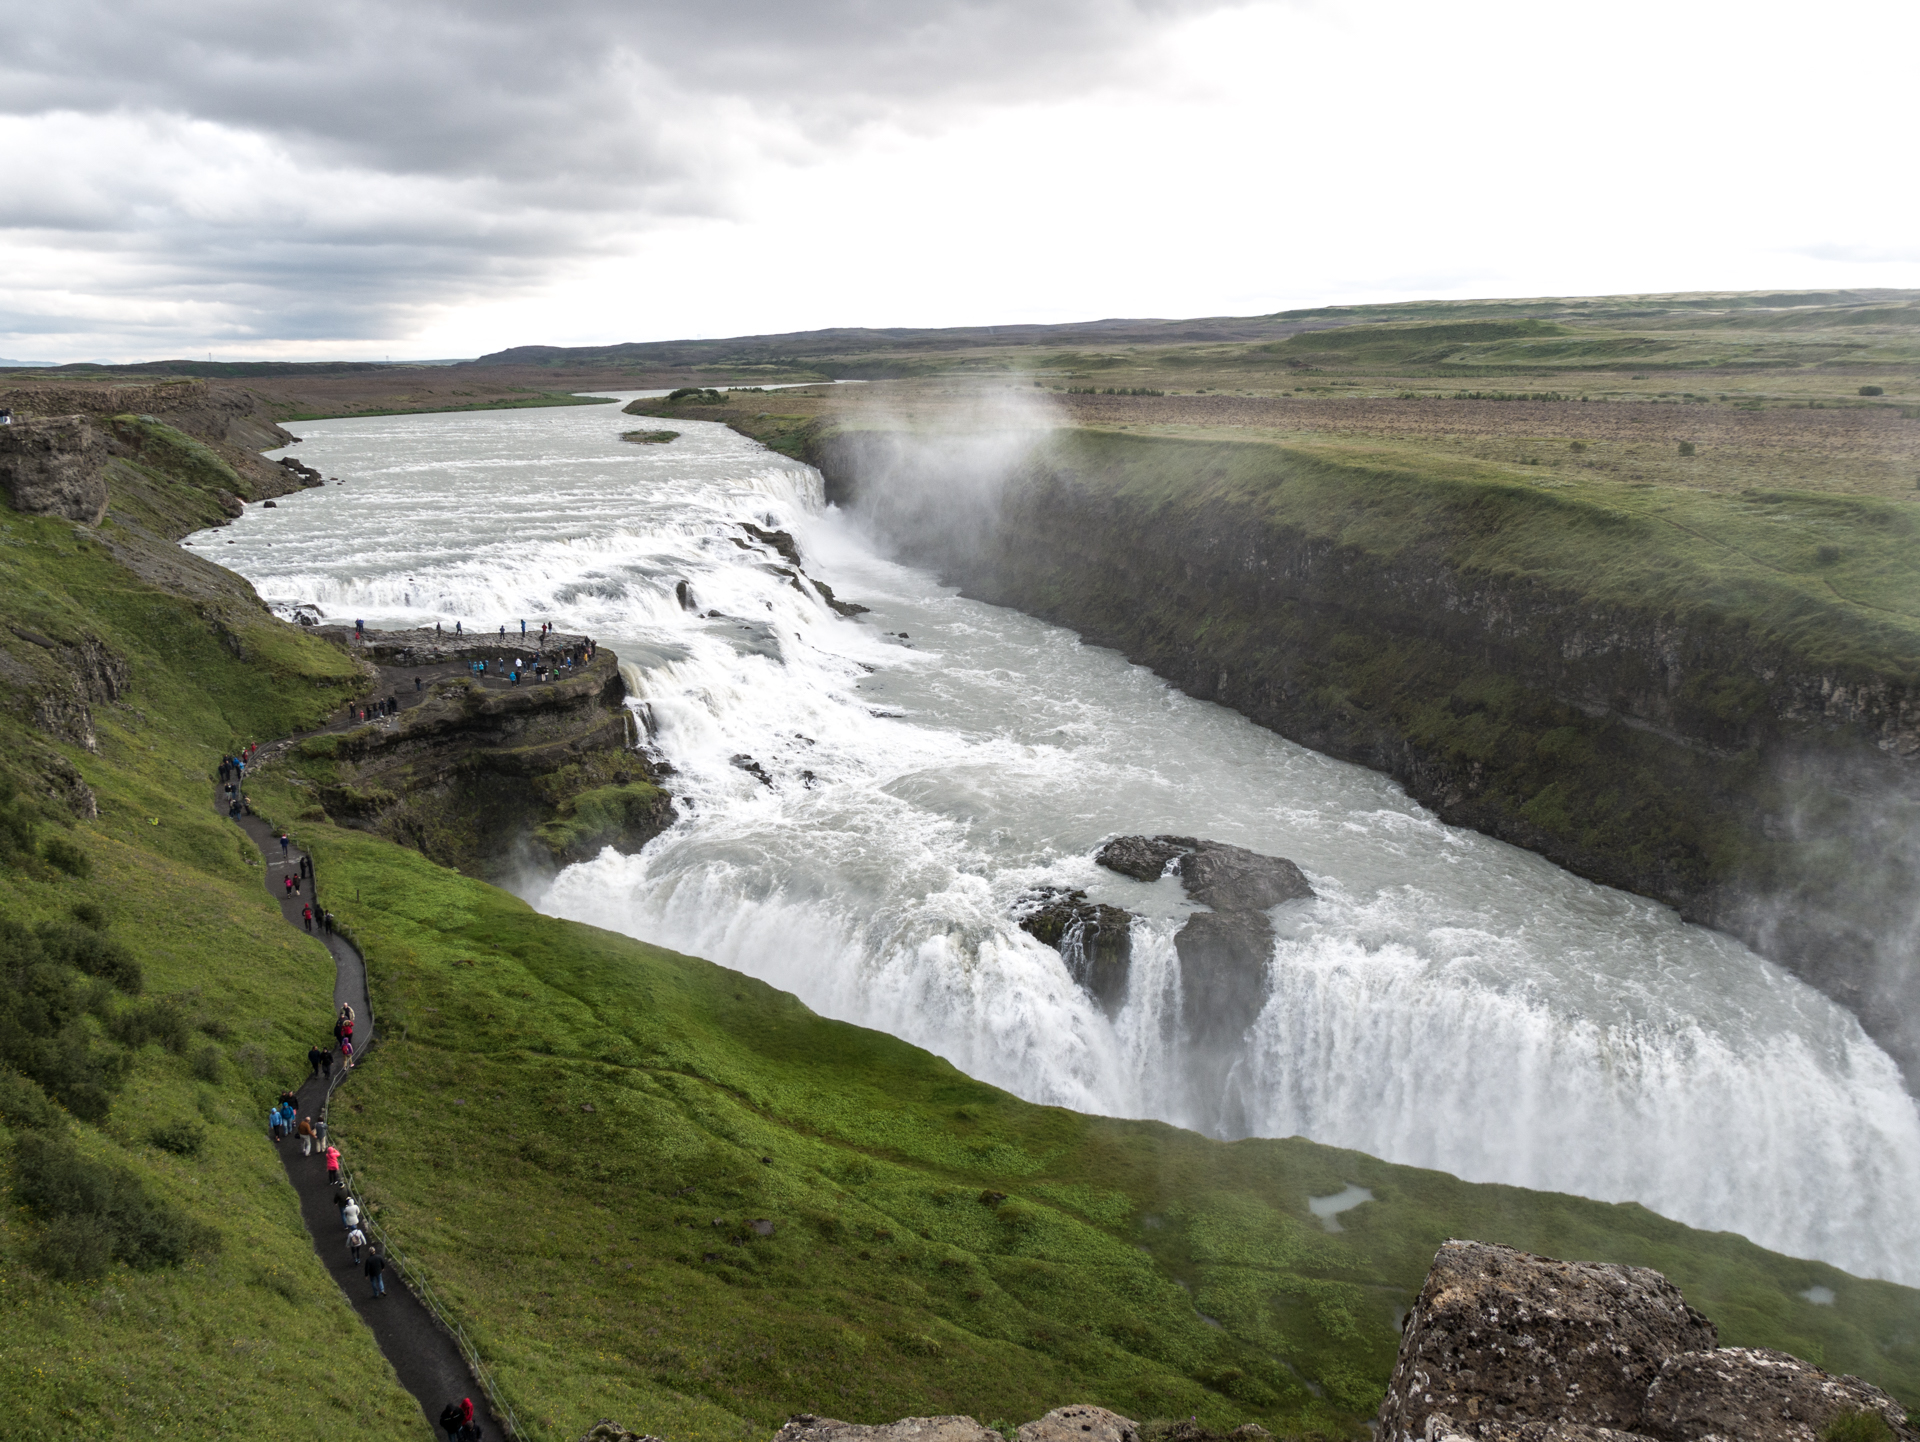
{"points": [[1094, 940], [1224, 953]]}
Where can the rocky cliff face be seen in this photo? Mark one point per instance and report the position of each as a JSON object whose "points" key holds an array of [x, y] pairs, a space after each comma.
{"points": [[55, 467], [1505, 1344], [495, 780], [1755, 789]]}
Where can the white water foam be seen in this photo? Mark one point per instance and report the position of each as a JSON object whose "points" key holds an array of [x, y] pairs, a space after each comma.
{"points": [[1447, 1001]]}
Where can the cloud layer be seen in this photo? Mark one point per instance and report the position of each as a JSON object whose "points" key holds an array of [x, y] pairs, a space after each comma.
{"points": [[239, 173], [424, 177]]}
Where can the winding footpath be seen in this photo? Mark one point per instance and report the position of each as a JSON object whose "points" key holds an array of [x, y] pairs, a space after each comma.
{"points": [[424, 1355]]}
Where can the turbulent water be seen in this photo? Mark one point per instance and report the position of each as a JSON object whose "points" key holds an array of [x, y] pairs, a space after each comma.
{"points": [[1447, 1001]]}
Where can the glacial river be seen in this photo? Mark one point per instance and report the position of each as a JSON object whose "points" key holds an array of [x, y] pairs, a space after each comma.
{"points": [[1447, 1001]]}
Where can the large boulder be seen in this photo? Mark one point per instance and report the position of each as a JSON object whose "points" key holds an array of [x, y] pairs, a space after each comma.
{"points": [[1144, 858], [55, 467], [1232, 878], [1213, 873], [1442, 1428], [808, 1428], [1757, 1395], [1225, 953], [1226, 958], [1095, 940], [614, 1432], [1503, 1336]]}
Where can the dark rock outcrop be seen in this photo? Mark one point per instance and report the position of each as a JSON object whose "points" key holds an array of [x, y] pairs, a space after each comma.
{"points": [[1224, 962], [492, 780], [1144, 858], [1094, 940], [1232, 878], [55, 467], [1505, 1344], [57, 682], [1224, 953], [781, 541], [1213, 873]]}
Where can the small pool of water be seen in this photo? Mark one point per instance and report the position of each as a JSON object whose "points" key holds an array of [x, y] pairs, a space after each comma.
{"points": [[1328, 1209]]}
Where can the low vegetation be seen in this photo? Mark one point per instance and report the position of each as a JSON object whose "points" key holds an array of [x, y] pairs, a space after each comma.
{"points": [[658, 1190]]}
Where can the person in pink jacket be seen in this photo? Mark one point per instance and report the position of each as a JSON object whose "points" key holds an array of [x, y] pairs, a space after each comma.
{"points": [[333, 1164]]}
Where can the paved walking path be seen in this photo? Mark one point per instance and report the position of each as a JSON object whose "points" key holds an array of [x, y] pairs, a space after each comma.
{"points": [[426, 1359]]}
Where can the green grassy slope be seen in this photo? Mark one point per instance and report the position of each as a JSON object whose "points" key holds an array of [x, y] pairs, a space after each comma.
{"points": [[251, 1339], [1827, 576], [575, 1131]]}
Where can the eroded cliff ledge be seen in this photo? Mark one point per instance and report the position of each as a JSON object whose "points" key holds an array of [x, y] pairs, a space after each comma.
{"points": [[495, 778]]}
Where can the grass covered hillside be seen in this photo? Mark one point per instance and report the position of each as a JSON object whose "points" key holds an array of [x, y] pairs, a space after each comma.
{"points": [[662, 1191], [155, 1279], [652, 1188]]}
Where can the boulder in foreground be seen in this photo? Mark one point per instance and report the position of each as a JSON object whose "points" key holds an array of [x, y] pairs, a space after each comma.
{"points": [[1504, 1344]]}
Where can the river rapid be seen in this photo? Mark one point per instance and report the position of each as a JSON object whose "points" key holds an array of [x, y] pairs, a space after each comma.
{"points": [[1447, 1001]]}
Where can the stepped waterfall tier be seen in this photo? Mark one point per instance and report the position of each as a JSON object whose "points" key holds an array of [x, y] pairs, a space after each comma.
{"points": [[864, 801]]}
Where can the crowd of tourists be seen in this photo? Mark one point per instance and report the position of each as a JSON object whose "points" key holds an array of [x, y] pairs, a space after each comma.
{"points": [[233, 776]]}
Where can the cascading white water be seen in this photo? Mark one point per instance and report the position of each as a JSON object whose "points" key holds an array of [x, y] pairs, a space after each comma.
{"points": [[1447, 1001]]}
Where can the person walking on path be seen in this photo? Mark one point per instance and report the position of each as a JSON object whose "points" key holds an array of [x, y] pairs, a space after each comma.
{"points": [[306, 1136], [306, 917], [350, 1214], [450, 1422], [314, 1057], [376, 1269], [285, 842], [333, 1165], [326, 1068], [356, 1239]]}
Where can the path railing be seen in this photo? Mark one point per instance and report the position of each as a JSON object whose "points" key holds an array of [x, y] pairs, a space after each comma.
{"points": [[405, 1272], [416, 1282]]}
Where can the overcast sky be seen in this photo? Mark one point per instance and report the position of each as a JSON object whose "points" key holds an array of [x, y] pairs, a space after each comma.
{"points": [[430, 178]]}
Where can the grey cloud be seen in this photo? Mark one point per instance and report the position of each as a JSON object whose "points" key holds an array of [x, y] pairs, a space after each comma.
{"points": [[537, 133]]}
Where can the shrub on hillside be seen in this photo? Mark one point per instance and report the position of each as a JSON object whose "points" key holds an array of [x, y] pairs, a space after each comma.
{"points": [[85, 949], [95, 1212], [44, 999], [698, 395], [183, 1138], [19, 823], [24, 1105], [1873, 390], [164, 1021], [67, 856], [88, 914]]}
